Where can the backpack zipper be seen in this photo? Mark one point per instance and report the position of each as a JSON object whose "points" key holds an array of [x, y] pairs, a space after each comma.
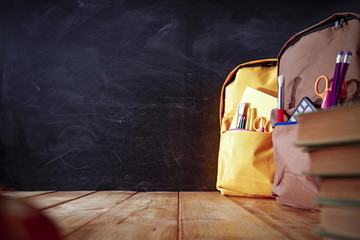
{"points": [[337, 23], [265, 64]]}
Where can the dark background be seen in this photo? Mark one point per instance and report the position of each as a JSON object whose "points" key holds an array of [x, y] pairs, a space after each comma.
{"points": [[112, 94]]}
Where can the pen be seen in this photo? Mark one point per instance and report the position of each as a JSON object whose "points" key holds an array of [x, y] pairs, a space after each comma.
{"points": [[241, 108], [243, 121], [281, 98]]}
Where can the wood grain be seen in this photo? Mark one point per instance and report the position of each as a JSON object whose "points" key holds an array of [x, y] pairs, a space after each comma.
{"points": [[24, 194], [143, 216], [43, 202], [209, 215], [73, 215], [294, 223], [171, 215]]}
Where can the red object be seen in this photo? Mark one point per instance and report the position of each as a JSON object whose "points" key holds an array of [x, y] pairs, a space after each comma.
{"points": [[280, 115], [19, 220], [326, 94]]}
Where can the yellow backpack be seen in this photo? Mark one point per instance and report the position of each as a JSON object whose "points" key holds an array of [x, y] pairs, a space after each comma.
{"points": [[246, 164]]}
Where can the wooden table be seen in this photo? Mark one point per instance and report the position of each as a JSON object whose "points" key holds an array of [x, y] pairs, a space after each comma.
{"points": [[170, 215]]}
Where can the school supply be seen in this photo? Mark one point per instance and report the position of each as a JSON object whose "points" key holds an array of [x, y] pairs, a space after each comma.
{"points": [[342, 188], [280, 98], [326, 39], [259, 100], [257, 123], [305, 106], [326, 94], [339, 220], [241, 118], [262, 125], [339, 59], [250, 118], [335, 160], [346, 62], [246, 163], [242, 122], [341, 124]]}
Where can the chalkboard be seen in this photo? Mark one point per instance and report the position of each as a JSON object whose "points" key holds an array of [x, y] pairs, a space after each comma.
{"points": [[124, 95]]}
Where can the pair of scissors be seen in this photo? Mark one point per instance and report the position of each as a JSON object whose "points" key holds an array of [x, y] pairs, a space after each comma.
{"points": [[260, 124], [325, 95]]}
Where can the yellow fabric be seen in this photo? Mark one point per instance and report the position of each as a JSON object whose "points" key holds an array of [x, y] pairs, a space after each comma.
{"points": [[246, 164]]}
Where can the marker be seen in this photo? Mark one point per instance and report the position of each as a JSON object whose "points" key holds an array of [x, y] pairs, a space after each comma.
{"points": [[241, 108], [281, 98], [243, 121]]}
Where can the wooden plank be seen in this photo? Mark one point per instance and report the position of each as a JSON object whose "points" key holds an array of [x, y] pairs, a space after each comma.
{"points": [[146, 215], [202, 215], [293, 222], [24, 194], [43, 202], [73, 215], [209, 215]]}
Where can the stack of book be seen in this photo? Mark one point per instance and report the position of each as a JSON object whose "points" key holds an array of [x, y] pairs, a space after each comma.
{"points": [[332, 138]]}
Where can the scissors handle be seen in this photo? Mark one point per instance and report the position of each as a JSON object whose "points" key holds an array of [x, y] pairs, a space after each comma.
{"points": [[260, 124], [326, 90], [343, 89]]}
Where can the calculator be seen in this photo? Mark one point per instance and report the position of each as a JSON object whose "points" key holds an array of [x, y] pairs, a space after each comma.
{"points": [[305, 106]]}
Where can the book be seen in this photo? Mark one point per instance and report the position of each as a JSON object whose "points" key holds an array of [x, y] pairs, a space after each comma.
{"points": [[340, 188], [331, 126], [332, 139], [335, 160], [341, 222]]}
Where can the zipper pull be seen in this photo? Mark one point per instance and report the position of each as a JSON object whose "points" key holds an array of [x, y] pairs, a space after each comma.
{"points": [[339, 23], [268, 65]]}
